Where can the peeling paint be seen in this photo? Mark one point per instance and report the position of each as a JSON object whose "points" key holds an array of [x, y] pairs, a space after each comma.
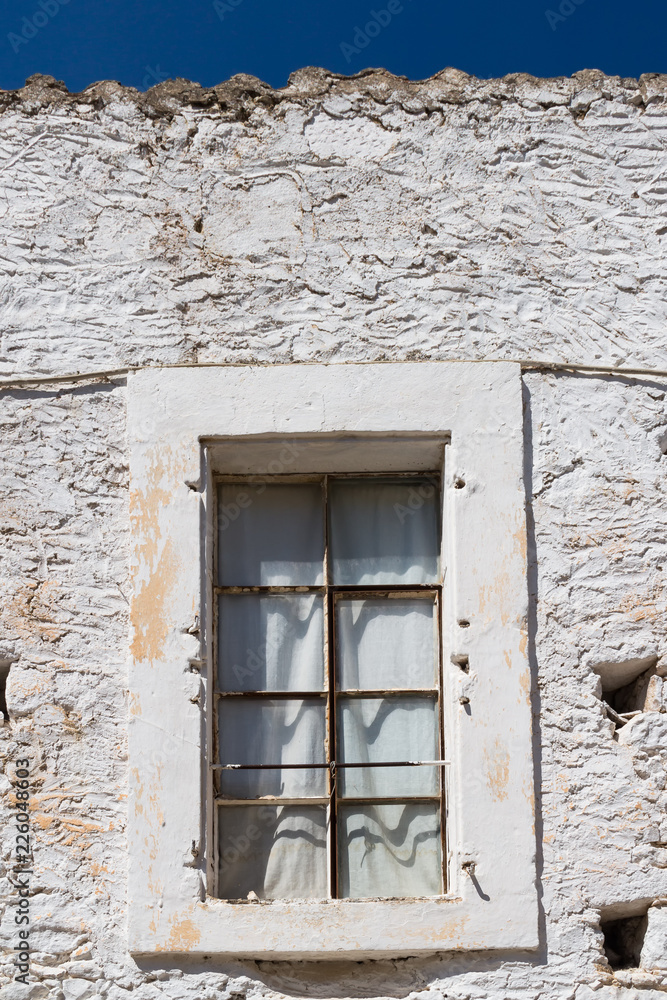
{"points": [[498, 771], [149, 608]]}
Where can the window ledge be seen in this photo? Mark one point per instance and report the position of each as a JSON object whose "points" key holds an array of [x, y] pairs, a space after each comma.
{"points": [[352, 929]]}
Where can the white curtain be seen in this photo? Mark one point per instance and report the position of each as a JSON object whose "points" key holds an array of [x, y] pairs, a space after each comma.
{"points": [[384, 729], [255, 731], [277, 852], [269, 642], [386, 643], [384, 531], [280, 852], [270, 535], [381, 532], [389, 850]]}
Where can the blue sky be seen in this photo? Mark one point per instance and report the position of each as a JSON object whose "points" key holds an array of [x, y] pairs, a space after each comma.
{"points": [[140, 42]]}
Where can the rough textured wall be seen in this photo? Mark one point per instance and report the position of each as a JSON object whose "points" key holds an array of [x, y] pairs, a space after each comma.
{"points": [[337, 219], [344, 220]]}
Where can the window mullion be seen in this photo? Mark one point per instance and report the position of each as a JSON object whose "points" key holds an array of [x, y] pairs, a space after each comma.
{"points": [[441, 744], [329, 632]]}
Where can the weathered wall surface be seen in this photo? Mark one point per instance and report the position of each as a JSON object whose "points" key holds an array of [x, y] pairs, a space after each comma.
{"points": [[337, 220], [353, 219]]}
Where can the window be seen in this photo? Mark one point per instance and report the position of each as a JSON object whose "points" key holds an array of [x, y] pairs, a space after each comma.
{"points": [[328, 775], [316, 448]]}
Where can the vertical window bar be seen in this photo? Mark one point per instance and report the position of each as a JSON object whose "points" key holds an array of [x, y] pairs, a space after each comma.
{"points": [[213, 777], [441, 744], [331, 707], [443, 525]]}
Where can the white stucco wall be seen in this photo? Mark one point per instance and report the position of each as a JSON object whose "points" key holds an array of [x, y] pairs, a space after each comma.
{"points": [[355, 220]]}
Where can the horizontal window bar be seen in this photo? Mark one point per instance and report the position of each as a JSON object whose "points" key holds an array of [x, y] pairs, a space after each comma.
{"points": [[417, 474], [282, 695], [338, 589], [407, 800], [319, 477], [395, 763], [268, 767], [259, 478], [273, 800], [333, 764], [390, 589], [346, 693], [271, 590], [386, 692]]}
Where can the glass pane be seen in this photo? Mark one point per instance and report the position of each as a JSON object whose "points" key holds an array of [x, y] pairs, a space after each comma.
{"points": [[277, 852], [396, 728], [389, 850], [386, 643], [272, 731], [271, 643], [384, 530], [270, 535]]}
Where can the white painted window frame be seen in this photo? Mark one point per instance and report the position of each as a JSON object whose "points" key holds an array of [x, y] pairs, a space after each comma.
{"points": [[181, 421]]}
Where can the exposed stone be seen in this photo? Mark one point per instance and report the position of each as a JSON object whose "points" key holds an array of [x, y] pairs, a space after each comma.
{"points": [[654, 951], [236, 98], [647, 732]]}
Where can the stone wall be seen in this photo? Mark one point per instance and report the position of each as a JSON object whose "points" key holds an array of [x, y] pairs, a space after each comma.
{"points": [[338, 220]]}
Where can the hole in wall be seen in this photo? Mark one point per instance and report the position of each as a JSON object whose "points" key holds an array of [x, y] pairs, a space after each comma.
{"points": [[459, 484], [462, 662], [4, 674], [623, 940], [631, 699], [626, 687], [463, 623]]}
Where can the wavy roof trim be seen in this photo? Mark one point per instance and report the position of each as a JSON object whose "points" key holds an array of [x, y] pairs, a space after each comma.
{"points": [[235, 99]]}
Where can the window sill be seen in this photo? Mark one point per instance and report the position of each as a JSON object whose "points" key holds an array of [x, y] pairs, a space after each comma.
{"points": [[354, 929]]}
